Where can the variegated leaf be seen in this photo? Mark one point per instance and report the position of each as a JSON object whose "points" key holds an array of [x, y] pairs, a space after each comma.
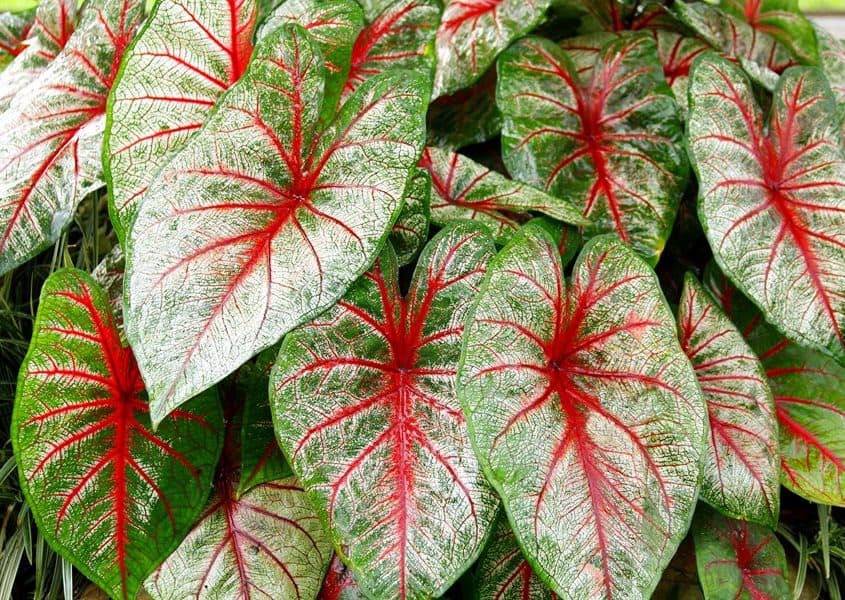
{"points": [[261, 222], [401, 37], [53, 26], [473, 32], [469, 116], [610, 144], [365, 408], [772, 201], [340, 583], [14, 31], [503, 573], [464, 189], [781, 19], [51, 155], [585, 414], [108, 492], [737, 559], [809, 392], [677, 54], [187, 54], [410, 231], [758, 53], [334, 25], [740, 473]]}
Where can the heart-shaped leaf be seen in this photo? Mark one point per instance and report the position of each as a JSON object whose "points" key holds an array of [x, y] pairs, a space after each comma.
{"points": [[464, 189], [737, 559], [781, 19], [809, 392], [266, 544], [107, 492], [51, 152], [334, 26], [187, 54], [365, 408], [584, 412], [304, 212], [410, 231], [758, 53], [261, 458], [50, 31], [469, 116], [609, 143], [401, 37], [14, 30], [677, 54], [473, 32], [772, 201], [502, 573], [740, 476]]}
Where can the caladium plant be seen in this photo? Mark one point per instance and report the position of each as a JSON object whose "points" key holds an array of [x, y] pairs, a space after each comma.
{"points": [[333, 343]]}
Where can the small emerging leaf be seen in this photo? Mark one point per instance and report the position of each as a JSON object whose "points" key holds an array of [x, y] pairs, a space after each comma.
{"points": [[740, 476], [107, 491], [737, 559], [365, 408], [584, 412]]}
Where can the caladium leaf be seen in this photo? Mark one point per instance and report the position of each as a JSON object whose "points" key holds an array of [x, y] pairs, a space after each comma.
{"points": [[737, 559], [677, 54], [469, 116], [758, 53], [772, 201], [741, 468], [261, 458], [107, 492], [832, 62], [187, 54], [809, 392], [109, 275], [473, 32], [50, 157], [365, 407], [584, 412], [503, 573], [464, 189], [410, 231], [14, 30], [52, 28], [305, 213], [401, 37], [781, 19], [340, 583], [610, 144], [334, 25]]}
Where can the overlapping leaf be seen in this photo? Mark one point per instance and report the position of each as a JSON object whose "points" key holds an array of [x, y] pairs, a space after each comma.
{"points": [[410, 231], [14, 30], [809, 392], [401, 37], [677, 54], [340, 583], [464, 189], [737, 559], [740, 473], [107, 492], [502, 573], [188, 53], [51, 152], [584, 412], [473, 32], [365, 407], [262, 221], [772, 201], [758, 53], [469, 116], [610, 143], [265, 544], [334, 26], [781, 19], [53, 26]]}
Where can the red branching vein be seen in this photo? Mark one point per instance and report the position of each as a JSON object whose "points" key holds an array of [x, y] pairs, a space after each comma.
{"points": [[746, 560]]}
